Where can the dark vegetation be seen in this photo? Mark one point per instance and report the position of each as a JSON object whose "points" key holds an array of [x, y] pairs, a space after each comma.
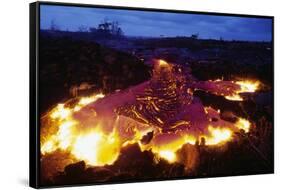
{"points": [[105, 30], [65, 62]]}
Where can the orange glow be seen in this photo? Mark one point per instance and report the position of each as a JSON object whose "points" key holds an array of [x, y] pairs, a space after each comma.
{"points": [[65, 134], [190, 139], [85, 147], [87, 100], [60, 112], [162, 63], [168, 155], [248, 86], [96, 148], [168, 150], [48, 146], [218, 135], [234, 97], [245, 86], [243, 124]]}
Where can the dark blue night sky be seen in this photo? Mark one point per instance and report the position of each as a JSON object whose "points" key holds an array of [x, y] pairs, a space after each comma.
{"points": [[142, 23]]}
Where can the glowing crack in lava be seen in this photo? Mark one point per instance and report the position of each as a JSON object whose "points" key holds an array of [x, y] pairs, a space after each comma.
{"points": [[95, 128]]}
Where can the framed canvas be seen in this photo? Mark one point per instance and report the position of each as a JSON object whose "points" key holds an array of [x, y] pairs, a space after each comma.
{"points": [[121, 94]]}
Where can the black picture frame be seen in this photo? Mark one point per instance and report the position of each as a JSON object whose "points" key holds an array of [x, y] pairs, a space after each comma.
{"points": [[34, 116]]}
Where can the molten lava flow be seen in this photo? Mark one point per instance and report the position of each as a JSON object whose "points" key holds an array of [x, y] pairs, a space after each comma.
{"points": [[248, 86], [234, 97], [87, 100], [243, 124], [94, 146], [65, 134], [168, 155], [61, 140], [175, 118], [218, 135], [166, 145], [85, 147], [244, 86], [162, 63], [60, 112], [48, 146]]}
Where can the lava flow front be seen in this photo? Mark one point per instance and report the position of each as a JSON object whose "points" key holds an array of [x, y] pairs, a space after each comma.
{"points": [[161, 115]]}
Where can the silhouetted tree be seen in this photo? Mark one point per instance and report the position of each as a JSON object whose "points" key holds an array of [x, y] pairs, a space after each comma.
{"points": [[115, 29], [108, 28], [105, 26], [54, 26], [92, 29], [194, 36]]}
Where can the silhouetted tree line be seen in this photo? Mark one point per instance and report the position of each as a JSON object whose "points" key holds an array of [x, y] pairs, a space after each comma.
{"points": [[105, 28]]}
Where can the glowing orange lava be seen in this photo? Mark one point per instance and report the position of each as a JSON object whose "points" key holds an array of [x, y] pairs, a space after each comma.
{"points": [[245, 86], [162, 63], [98, 147]]}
